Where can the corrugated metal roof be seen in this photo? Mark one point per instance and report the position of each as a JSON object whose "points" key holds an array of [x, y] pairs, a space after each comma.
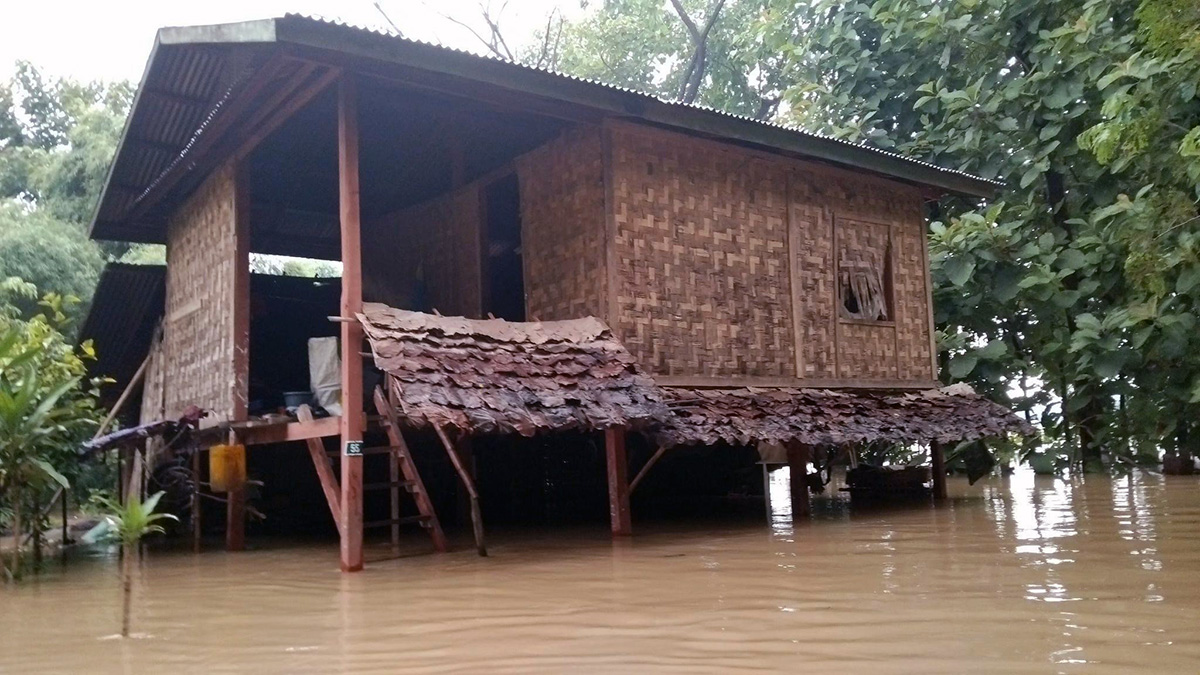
{"points": [[634, 92], [125, 309], [192, 71]]}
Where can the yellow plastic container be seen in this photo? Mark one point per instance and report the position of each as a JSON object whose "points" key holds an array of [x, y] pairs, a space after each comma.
{"points": [[226, 467]]}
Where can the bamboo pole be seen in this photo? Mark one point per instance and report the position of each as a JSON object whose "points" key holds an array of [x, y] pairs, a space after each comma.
{"points": [[476, 516], [642, 474]]}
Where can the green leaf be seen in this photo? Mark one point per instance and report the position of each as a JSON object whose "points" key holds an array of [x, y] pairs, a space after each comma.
{"points": [[1109, 364], [962, 365], [994, 350], [52, 473], [959, 269]]}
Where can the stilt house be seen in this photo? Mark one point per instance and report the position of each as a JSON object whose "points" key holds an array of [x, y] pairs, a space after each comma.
{"points": [[703, 277]]}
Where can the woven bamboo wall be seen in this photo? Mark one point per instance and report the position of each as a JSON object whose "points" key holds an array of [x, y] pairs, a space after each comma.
{"points": [[563, 227], [200, 340], [727, 259], [701, 245], [438, 240]]}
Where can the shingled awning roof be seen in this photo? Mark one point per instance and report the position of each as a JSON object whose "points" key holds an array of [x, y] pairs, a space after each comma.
{"points": [[496, 376], [744, 415]]}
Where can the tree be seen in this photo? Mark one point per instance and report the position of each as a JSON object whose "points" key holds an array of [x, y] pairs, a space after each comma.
{"points": [[696, 51], [1039, 288], [57, 139]]}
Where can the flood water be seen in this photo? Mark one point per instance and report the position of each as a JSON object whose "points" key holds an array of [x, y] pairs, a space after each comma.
{"points": [[1021, 574]]}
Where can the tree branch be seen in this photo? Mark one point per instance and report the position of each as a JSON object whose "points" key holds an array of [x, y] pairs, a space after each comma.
{"points": [[694, 73]]}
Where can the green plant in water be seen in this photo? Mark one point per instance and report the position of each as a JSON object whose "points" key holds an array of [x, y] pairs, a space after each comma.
{"points": [[129, 523]]}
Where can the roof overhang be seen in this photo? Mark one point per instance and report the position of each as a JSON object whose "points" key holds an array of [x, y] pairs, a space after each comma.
{"points": [[192, 71]]}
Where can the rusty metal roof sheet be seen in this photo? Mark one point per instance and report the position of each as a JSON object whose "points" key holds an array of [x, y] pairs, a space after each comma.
{"points": [[744, 415], [496, 376]]}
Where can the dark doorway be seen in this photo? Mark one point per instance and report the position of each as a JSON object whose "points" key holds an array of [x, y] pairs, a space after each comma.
{"points": [[504, 287]]}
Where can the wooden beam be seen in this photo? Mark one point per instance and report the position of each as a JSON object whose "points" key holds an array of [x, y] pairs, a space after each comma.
{"points": [[792, 382], [329, 484], [642, 474], [351, 331], [476, 516], [618, 483], [283, 432], [798, 456], [290, 99], [235, 510], [937, 460], [240, 387]]}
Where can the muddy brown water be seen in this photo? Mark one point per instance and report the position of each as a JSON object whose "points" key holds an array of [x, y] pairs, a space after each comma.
{"points": [[1017, 575]]}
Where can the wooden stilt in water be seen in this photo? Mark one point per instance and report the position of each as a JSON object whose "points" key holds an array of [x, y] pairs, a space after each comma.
{"points": [[351, 331], [937, 460], [235, 510], [798, 457], [196, 531], [476, 516], [618, 481]]}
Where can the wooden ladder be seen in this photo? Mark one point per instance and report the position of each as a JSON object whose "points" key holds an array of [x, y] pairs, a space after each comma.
{"points": [[402, 474]]}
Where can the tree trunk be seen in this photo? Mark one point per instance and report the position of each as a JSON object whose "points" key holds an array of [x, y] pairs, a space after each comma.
{"points": [[127, 563]]}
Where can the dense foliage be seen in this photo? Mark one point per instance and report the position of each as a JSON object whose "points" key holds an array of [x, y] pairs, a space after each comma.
{"points": [[47, 407], [1072, 297], [57, 137]]}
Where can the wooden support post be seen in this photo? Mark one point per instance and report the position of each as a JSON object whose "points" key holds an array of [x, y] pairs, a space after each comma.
{"points": [[329, 484], [798, 457], [235, 509], [618, 481], [937, 460], [476, 516], [351, 331], [196, 531]]}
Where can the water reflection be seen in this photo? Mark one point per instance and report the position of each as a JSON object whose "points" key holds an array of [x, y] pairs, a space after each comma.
{"points": [[1024, 574]]}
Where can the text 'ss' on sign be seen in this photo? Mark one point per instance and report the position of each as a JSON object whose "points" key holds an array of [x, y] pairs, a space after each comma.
{"points": [[354, 448]]}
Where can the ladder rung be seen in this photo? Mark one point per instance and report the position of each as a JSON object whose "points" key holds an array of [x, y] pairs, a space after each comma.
{"points": [[390, 484], [408, 520]]}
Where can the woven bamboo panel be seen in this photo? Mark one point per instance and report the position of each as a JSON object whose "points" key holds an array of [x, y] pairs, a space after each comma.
{"points": [[427, 255], [913, 319], [562, 227], [198, 332], [813, 230], [701, 247], [864, 209]]}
